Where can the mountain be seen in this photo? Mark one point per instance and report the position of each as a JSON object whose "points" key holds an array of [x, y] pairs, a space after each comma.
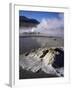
{"points": [[27, 22]]}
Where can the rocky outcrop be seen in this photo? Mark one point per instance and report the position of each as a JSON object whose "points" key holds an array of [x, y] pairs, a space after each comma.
{"points": [[48, 60]]}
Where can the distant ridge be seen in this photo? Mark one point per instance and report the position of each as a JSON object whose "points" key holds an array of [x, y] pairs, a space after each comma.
{"points": [[27, 22]]}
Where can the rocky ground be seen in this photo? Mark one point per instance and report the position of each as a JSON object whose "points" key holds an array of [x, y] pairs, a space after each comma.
{"points": [[42, 62]]}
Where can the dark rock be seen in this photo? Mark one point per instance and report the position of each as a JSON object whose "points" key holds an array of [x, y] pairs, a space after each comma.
{"points": [[26, 54], [59, 59], [44, 53]]}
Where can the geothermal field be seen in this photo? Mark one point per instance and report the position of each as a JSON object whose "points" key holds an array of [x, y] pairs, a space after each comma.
{"points": [[41, 45]]}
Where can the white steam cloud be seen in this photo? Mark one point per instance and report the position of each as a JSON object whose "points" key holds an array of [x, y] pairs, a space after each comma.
{"points": [[52, 26]]}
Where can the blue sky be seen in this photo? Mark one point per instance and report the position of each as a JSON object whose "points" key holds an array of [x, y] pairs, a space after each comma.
{"points": [[39, 15]]}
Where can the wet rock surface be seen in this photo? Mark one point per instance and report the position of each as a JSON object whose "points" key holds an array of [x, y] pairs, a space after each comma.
{"points": [[42, 63]]}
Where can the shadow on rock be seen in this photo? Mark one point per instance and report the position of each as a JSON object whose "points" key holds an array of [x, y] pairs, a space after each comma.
{"points": [[59, 59]]}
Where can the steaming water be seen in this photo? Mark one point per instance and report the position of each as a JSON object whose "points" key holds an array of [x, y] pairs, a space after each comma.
{"points": [[28, 43]]}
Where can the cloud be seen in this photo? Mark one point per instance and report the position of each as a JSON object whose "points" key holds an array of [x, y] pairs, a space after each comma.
{"points": [[51, 26]]}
